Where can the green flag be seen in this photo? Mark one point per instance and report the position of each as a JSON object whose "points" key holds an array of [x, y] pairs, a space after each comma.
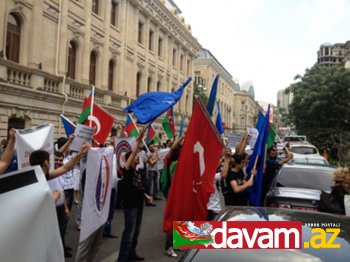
{"points": [[272, 135]]}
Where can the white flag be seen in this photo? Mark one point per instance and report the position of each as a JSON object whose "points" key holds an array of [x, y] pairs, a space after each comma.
{"points": [[29, 228], [97, 190], [31, 139]]}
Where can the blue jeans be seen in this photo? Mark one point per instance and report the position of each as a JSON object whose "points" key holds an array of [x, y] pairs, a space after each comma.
{"points": [[132, 226]]}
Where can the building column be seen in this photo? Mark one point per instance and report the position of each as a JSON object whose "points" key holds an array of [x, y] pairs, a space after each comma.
{"points": [[86, 45]]}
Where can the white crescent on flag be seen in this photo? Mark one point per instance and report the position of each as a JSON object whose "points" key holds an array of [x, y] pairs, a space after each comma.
{"points": [[97, 123]]}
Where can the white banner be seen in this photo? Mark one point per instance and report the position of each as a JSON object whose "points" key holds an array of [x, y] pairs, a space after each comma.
{"points": [[31, 139], [97, 190], [29, 228], [162, 153], [254, 133], [233, 140], [82, 134], [123, 146]]}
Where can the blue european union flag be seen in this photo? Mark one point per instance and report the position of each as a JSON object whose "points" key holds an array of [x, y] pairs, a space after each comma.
{"points": [[148, 106]]}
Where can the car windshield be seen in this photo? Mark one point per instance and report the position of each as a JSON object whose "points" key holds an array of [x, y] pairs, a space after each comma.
{"points": [[310, 178], [310, 161], [303, 150]]}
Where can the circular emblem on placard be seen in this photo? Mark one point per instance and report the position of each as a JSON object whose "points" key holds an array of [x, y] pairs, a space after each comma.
{"points": [[102, 184], [121, 149]]}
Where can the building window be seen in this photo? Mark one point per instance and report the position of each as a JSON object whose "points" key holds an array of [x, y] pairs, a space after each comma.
{"points": [[114, 13], [140, 33], [13, 38], [181, 63], [14, 122], [160, 46], [95, 6], [174, 57], [149, 83], [93, 60], [242, 121], [158, 86], [150, 40], [110, 75], [138, 83], [72, 52], [188, 67], [242, 106]]}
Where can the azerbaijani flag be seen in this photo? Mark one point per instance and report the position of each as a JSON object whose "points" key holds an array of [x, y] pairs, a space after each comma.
{"points": [[168, 123], [130, 127], [151, 136], [271, 138]]}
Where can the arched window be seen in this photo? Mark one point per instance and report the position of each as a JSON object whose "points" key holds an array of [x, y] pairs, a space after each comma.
{"points": [[149, 83], [138, 83], [72, 52], [13, 38], [93, 59], [95, 4], [158, 86], [114, 13], [110, 75]]}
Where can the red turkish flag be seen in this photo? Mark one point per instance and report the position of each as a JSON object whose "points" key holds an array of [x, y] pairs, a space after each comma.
{"points": [[192, 183], [102, 122]]}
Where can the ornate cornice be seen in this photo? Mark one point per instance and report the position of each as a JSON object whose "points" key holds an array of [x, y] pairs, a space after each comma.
{"points": [[162, 16]]}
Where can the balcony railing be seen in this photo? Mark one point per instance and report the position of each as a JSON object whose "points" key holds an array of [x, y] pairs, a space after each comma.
{"points": [[30, 78]]}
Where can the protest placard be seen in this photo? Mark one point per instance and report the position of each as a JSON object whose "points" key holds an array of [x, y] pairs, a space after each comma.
{"points": [[29, 229], [31, 139], [82, 134]]}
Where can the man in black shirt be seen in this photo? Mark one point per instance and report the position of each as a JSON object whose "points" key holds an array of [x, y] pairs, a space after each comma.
{"points": [[273, 165], [134, 194]]}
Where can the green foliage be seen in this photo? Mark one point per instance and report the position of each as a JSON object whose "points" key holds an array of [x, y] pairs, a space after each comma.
{"points": [[200, 94], [321, 107]]}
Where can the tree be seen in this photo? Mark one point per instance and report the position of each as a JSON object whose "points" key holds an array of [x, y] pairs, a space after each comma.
{"points": [[197, 92], [320, 107]]}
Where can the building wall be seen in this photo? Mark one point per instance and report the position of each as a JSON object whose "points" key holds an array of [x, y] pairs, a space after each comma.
{"points": [[36, 89], [206, 67], [245, 111]]}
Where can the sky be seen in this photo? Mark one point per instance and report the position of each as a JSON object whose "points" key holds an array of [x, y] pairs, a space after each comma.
{"points": [[268, 42]]}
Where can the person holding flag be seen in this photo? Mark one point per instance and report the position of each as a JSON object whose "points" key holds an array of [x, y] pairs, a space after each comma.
{"points": [[134, 195], [272, 167], [236, 190]]}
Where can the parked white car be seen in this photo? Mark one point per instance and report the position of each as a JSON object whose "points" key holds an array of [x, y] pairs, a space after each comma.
{"points": [[298, 148]]}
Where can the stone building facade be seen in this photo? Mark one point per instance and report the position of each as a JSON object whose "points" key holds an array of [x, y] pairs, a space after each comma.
{"points": [[51, 50], [245, 110], [206, 67]]}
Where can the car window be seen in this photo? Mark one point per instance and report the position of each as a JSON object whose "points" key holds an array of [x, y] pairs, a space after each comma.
{"points": [[310, 178], [304, 150], [310, 161]]}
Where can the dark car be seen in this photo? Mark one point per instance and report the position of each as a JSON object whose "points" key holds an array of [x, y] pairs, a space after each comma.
{"points": [[273, 214], [299, 186]]}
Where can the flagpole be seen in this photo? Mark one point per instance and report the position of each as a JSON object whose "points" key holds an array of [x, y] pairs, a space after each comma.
{"points": [[157, 134], [138, 131], [92, 103]]}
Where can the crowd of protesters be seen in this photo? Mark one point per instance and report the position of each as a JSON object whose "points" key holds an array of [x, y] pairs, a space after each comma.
{"points": [[141, 183]]}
